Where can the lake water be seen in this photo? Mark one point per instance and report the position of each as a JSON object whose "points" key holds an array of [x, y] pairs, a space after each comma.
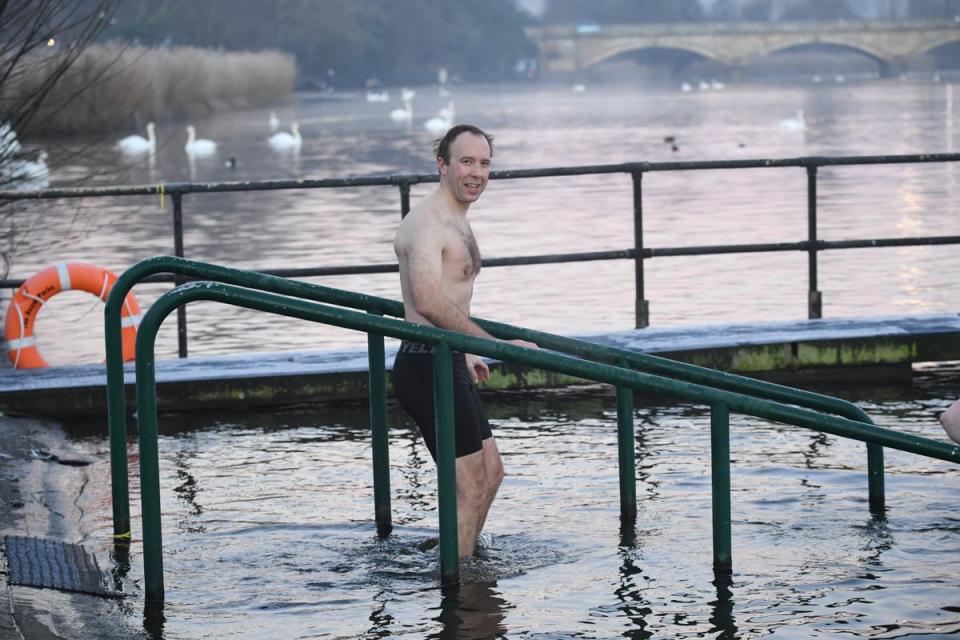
{"points": [[535, 126], [268, 528], [268, 516]]}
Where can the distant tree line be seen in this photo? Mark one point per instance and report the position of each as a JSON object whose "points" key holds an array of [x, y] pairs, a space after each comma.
{"points": [[349, 42], [346, 42]]}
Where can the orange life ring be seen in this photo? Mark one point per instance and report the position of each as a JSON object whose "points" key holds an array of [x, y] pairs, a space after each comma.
{"points": [[32, 294]]}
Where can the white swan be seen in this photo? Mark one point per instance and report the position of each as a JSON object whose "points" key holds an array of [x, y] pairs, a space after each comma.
{"points": [[283, 141], [794, 124], [448, 111], [35, 170], [198, 146], [403, 115], [407, 94], [378, 96], [273, 121], [138, 144], [439, 124], [27, 174]]}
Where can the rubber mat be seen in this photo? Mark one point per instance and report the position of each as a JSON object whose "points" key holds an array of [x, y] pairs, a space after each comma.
{"points": [[39, 562]]}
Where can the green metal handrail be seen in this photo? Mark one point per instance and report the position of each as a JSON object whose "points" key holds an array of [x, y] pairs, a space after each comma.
{"points": [[721, 402], [116, 411]]}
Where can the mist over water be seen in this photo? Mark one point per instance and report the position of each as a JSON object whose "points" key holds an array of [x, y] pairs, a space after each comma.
{"points": [[537, 126]]}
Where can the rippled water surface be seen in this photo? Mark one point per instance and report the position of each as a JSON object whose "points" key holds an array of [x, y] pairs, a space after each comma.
{"points": [[536, 127], [267, 528]]}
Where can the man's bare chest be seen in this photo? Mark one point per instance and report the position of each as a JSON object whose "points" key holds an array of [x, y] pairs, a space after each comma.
{"points": [[461, 254]]}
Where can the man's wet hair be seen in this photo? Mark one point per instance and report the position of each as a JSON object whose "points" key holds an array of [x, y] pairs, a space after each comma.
{"points": [[441, 146]]}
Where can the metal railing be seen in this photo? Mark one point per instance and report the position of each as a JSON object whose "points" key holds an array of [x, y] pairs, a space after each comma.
{"points": [[812, 245], [719, 396]]}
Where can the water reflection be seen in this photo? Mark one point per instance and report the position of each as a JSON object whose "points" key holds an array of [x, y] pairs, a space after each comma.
{"points": [[629, 594], [380, 619], [471, 611], [878, 539], [154, 620], [721, 615]]}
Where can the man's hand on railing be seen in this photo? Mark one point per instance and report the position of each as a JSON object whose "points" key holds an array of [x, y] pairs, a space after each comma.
{"points": [[524, 343]]}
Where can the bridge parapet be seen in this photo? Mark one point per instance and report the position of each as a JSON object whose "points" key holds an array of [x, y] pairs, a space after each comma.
{"points": [[569, 49]]}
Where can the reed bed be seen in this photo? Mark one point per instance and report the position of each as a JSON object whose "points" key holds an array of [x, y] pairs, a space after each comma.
{"points": [[114, 87]]}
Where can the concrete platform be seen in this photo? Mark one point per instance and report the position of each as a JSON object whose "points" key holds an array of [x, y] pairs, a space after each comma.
{"points": [[791, 352]]}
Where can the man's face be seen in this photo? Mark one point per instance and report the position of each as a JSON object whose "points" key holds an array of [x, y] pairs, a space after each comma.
{"points": [[469, 170]]}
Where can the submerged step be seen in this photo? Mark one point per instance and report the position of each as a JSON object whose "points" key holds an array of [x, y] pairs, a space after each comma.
{"points": [[52, 564]]}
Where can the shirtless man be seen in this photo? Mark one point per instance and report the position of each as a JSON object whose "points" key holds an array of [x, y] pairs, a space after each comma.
{"points": [[439, 260]]}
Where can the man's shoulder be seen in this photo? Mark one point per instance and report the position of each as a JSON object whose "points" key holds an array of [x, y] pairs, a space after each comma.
{"points": [[418, 226]]}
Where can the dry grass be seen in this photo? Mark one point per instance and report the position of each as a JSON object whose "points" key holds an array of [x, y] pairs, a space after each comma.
{"points": [[111, 86]]}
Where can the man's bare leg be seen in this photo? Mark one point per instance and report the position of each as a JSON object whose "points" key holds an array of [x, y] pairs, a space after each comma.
{"points": [[494, 468], [472, 492]]}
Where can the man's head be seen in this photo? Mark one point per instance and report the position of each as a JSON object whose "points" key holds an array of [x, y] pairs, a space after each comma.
{"points": [[463, 159], [441, 146]]}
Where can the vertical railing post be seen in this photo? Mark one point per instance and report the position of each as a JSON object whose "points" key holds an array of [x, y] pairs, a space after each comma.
{"points": [[117, 424], [814, 297], [720, 475], [641, 305], [149, 463], [404, 199], [177, 198], [446, 464], [875, 478], [380, 445], [625, 448]]}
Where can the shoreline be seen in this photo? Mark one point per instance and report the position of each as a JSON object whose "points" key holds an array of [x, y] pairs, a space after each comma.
{"points": [[41, 498]]}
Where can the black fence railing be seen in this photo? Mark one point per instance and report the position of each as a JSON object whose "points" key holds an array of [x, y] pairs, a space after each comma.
{"points": [[812, 245]]}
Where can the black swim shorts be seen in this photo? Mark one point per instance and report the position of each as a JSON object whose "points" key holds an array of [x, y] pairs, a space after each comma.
{"points": [[412, 379]]}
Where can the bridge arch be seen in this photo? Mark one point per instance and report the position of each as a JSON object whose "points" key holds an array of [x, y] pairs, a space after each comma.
{"points": [[935, 43], [596, 57], [880, 57]]}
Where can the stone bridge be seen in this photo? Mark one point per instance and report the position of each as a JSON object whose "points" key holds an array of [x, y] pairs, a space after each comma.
{"points": [[566, 50]]}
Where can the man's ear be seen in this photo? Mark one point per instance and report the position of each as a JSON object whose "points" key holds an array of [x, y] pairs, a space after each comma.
{"points": [[441, 166]]}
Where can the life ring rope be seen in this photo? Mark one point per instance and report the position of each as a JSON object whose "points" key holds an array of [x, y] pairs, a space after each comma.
{"points": [[20, 343], [104, 291], [37, 290]]}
